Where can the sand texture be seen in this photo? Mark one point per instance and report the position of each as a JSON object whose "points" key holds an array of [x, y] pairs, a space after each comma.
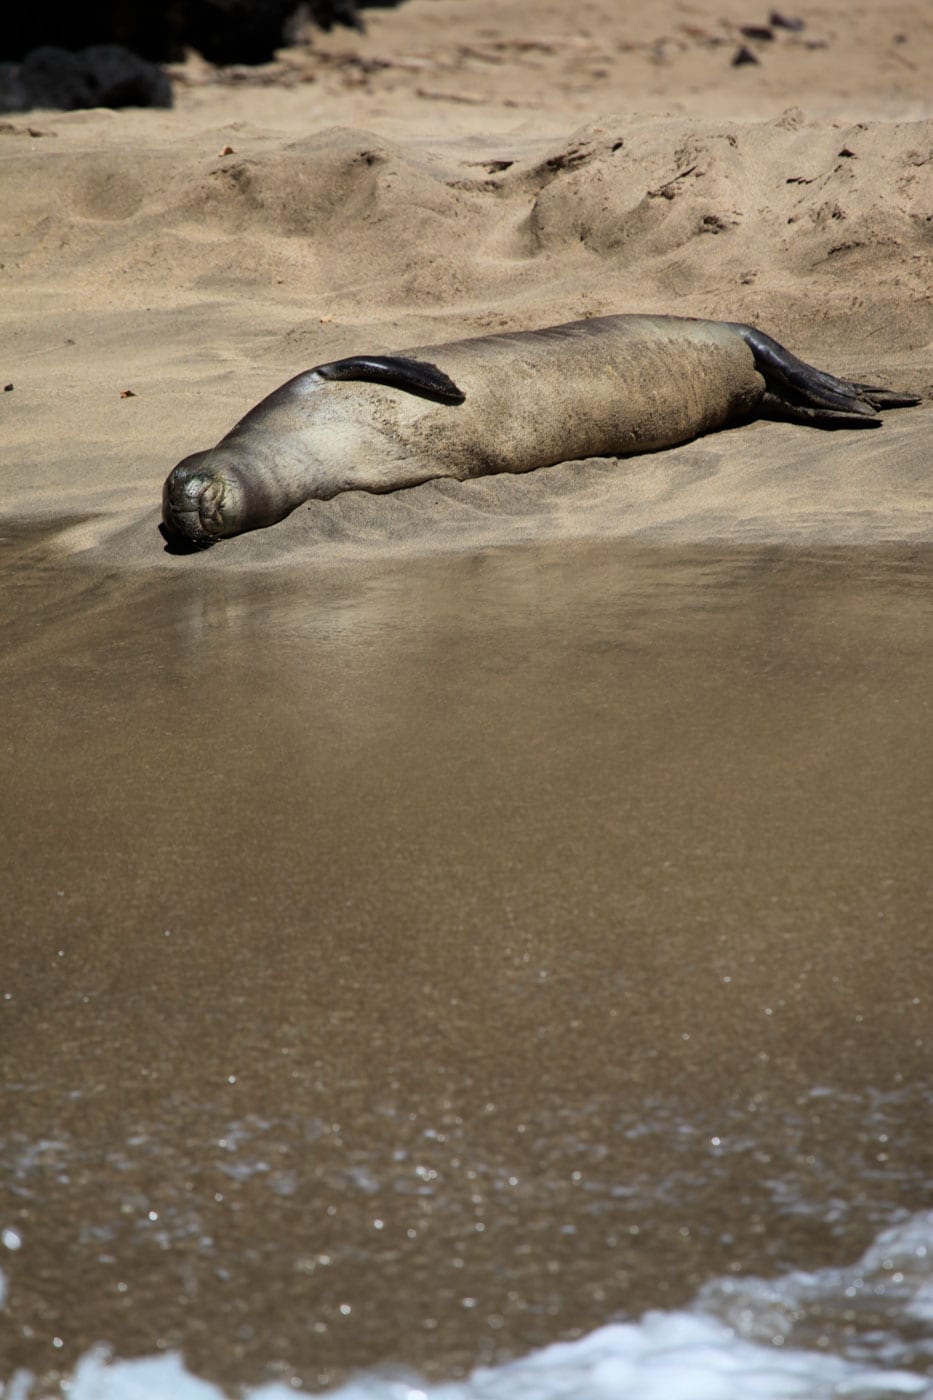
{"points": [[454, 172]]}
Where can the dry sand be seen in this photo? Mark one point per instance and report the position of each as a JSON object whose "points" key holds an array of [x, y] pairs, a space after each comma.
{"points": [[454, 171]]}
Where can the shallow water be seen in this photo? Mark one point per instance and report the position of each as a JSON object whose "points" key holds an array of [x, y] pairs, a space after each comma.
{"points": [[416, 966]]}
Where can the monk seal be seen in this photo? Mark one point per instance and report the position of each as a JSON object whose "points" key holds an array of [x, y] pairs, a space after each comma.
{"points": [[611, 386]]}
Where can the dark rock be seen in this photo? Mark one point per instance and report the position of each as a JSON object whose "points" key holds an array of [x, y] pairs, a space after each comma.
{"points": [[327, 13], [223, 31], [234, 31], [744, 55], [103, 75], [785, 22]]}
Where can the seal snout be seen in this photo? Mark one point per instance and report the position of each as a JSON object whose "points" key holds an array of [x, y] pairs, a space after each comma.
{"points": [[192, 502]]}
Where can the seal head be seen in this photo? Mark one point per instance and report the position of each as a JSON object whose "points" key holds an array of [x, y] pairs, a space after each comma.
{"points": [[203, 499], [267, 464]]}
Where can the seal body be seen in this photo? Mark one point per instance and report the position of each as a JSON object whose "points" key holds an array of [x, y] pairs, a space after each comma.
{"points": [[609, 386]]}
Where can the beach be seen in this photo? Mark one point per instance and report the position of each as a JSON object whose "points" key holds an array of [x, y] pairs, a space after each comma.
{"points": [[456, 922]]}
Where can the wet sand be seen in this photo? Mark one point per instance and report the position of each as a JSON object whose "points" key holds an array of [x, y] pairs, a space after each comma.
{"points": [[410, 964]]}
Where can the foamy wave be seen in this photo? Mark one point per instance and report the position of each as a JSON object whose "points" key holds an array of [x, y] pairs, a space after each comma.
{"points": [[666, 1356], [859, 1333]]}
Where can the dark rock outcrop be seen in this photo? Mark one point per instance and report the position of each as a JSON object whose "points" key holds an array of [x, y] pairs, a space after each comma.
{"points": [[223, 31], [103, 75]]}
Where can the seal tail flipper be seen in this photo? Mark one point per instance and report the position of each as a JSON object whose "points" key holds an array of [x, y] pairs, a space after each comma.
{"points": [[886, 398], [398, 372], [793, 411], [805, 394]]}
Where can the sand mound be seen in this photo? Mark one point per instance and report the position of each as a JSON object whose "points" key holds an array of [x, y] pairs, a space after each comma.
{"points": [[789, 202], [627, 210]]}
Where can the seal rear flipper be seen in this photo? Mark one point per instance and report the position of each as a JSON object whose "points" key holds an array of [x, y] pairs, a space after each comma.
{"points": [[397, 372], [791, 410], [793, 385], [886, 398]]}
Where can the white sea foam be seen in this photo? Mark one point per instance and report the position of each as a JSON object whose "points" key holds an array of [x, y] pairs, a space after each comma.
{"points": [[743, 1339]]}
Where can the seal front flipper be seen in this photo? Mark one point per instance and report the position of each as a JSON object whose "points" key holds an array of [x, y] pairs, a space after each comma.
{"points": [[398, 372], [804, 394]]}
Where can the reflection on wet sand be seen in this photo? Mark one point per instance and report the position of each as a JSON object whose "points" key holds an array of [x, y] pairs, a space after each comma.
{"points": [[416, 965]]}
